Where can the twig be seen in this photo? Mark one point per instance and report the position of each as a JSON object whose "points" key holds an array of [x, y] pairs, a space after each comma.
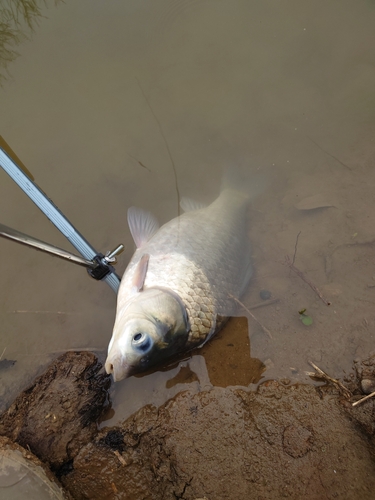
{"points": [[364, 399], [329, 154], [322, 375], [139, 162], [166, 145], [20, 311], [295, 248], [2, 354], [252, 315], [120, 457], [299, 273], [265, 303]]}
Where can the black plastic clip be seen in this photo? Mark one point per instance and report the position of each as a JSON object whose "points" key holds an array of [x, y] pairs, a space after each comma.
{"points": [[102, 263], [101, 269]]}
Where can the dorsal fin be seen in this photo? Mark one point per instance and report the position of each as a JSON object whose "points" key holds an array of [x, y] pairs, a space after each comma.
{"points": [[142, 224], [189, 205]]}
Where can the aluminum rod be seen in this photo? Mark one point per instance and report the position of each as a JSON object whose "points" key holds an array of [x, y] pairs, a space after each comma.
{"points": [[53, 213], [25, 239]]}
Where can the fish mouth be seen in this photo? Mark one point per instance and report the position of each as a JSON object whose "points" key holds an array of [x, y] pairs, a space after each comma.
{"points": [[119, 368]]}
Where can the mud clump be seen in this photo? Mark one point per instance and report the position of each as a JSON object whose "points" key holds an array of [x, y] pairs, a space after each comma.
{"points": [[297, 440], [283, 441], [57, 414]]}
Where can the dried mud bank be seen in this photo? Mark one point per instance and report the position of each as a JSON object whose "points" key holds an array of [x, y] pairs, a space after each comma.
{"points": [[283, 441]]}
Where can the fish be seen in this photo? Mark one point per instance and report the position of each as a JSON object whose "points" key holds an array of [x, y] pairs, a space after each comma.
{"points": [[182, 282]]}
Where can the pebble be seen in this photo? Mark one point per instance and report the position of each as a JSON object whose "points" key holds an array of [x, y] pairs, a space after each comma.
{"points": [[265, 294], [368, 385]]}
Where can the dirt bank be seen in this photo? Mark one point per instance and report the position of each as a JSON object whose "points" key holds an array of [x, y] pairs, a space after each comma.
{"points": [[282, 441]]}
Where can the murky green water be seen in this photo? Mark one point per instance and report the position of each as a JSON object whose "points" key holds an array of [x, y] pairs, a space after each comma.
{"points": [[91, 103]]}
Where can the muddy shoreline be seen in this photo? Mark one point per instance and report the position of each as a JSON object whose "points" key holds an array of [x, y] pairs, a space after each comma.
{"points": [[282, 441]]}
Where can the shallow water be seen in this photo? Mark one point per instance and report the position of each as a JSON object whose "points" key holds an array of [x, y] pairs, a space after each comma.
{"points": [[104, 94]]}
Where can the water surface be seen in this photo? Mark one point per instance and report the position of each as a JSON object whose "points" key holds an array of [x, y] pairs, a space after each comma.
{"points": [[105, 95]]}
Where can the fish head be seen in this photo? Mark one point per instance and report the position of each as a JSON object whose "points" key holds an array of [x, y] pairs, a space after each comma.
{"points": [[152, 328]]}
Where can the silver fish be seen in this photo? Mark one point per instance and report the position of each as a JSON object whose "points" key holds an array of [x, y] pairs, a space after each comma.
{"points": [[181, 282]]}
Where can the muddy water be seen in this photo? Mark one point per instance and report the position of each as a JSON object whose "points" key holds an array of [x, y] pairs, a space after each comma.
{"points": [[104, 94]]}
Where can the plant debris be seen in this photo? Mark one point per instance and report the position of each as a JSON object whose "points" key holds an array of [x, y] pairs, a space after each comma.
{"points": [[321, 375]]}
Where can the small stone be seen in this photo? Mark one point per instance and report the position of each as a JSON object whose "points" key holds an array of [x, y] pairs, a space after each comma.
{"points": [[368, 385], [265, 294]]}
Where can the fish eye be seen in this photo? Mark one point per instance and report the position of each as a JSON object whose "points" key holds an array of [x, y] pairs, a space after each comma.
{"points": [[141, 341]]}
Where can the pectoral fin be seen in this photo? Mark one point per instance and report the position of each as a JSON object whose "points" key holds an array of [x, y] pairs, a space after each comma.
{"points": [[140, 273]]}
